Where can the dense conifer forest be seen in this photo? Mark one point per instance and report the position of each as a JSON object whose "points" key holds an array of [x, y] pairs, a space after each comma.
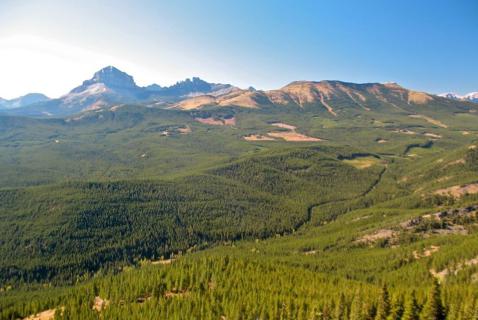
{"points": [[110, 218]]}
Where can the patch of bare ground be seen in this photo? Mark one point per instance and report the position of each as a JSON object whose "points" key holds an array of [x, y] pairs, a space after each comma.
{"points": [[465, 133], [405, 131], [441, 275], [185, 130], [163, 261], [418, 97], [246, 99], [426, 253], [176, 293], [292, 136], [230, 121], [458, 191], [449, 221], [472, 147], [258, 137], [196, 102], [327, 106], [456, 162], [382, 234], [429, 120], [284, 126], [44, 315], [432, 135], [217, 122], [310, 252], [100, 304], [443, 179], [381, 141]]}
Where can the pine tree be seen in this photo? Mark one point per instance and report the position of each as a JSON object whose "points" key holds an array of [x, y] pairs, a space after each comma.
{"points": [[396, 310], [383, 306], [433, 309], [340, 308], [356, 308], [411, 310]]}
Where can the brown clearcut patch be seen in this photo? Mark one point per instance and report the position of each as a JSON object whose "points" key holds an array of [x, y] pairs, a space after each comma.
{"points": [[230, 121], [185, 130], [418, 97], [458, 191], [429, 120], [292, 136], [258, 137], [381, 141]]}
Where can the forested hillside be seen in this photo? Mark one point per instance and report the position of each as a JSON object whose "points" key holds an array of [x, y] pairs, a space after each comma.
{"points": [[223, 212]]}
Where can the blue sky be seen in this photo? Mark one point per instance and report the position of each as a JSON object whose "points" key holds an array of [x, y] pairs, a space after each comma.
{"points": [[51, 46]]}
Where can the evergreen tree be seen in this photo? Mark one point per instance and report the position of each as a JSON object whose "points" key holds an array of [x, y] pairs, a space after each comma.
{"points": [[411, 310], [433, 309], [340, 308], [383, 306], [356, 308], [396, 310]]}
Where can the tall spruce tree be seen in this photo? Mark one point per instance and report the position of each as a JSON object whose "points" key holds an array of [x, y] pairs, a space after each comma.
{"points": [[396, 309], [383, 306], [411, 310], [433, 309]]}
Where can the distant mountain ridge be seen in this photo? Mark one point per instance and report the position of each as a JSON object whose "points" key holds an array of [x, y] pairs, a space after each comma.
{"points": [[110, 86], [22, 101], [472, 96]]}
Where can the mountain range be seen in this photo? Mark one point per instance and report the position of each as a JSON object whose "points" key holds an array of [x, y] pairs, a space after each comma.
{"points": [[23, 101], [110, 86], [472, 96]]}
